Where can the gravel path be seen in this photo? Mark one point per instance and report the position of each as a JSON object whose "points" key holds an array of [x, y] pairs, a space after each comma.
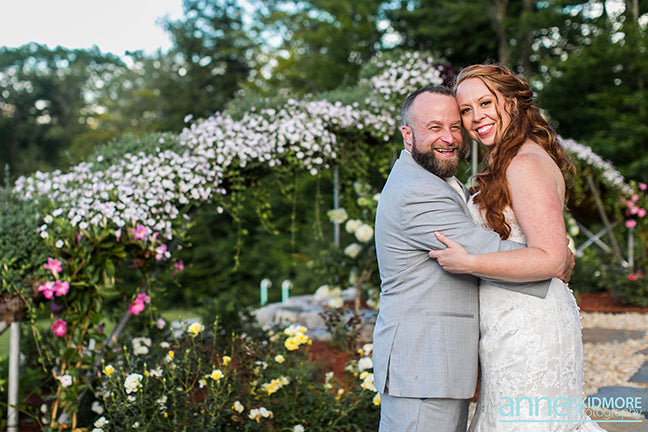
{"points": [[614, 363]]}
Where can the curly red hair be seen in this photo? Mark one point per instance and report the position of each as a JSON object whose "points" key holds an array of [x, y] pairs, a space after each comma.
{"points": [[526, 123]]}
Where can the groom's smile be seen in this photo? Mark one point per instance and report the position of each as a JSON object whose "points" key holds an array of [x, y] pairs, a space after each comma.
{"points": [[433, 133], [446, 152]]}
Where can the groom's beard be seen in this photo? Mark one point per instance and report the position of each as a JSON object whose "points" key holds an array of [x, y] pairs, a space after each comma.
{"points": [[443, 168]]}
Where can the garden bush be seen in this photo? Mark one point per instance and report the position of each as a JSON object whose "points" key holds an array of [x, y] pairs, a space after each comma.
{"points": [[198, 378]]}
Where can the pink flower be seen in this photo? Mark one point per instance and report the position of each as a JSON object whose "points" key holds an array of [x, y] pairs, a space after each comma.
{"points": [[159, 252], [641, 212], [53, 265], [177, 266], [643, 186], [635, 198], [138, 305], [139, 232], [631, 223], [59, 328], [118, 234], [61, 288], [136, 264], [79, 235], [143, 297], [47, 289]]}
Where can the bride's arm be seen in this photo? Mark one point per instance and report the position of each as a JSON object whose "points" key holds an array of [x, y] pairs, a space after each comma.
{"points": [[537, 188]]}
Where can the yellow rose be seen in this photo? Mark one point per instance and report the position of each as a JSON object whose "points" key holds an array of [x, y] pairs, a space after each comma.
{"points": [[216, 374], [291, 344]]}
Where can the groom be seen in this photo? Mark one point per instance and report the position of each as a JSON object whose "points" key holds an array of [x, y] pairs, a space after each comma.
{"points": [[426, 333]]}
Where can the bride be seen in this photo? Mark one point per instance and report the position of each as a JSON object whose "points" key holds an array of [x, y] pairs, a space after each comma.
{"points": [[530, 349]]}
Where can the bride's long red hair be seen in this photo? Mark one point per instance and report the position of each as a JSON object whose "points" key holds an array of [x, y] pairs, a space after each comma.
{"points": [[526, 123]]}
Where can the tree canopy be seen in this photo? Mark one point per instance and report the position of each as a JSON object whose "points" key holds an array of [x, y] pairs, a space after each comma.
{"points": [[585, 60]]}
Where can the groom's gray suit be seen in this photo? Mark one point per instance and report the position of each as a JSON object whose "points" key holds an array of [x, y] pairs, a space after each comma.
{"points": [[427, 331]]}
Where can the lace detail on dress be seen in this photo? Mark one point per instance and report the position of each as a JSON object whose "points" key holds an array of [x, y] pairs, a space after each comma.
{"points": [[531, 356]]}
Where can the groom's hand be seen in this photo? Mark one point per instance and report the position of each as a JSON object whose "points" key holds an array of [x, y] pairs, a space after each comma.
{"points": [[570, 263]]}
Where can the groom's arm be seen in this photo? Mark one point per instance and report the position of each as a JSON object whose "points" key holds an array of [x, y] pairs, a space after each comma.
{"points": [[423, 213]]}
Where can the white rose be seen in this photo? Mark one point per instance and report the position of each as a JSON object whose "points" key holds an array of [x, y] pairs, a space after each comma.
{"points": [[133, 383], [140, 345], [352, 225], [100, 422], [238, 407], [352, 250], [336, 303], [574, 230], [364, 233], [322, 292], [365, 363], [337, 216], [97, 408]]}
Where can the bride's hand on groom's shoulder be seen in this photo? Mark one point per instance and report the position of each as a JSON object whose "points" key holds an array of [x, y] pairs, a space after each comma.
{"points": [[453, 258]]}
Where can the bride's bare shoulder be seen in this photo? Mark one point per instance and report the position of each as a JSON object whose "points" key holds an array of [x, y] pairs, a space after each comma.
{"points": [[532, 156], [534, 166]]}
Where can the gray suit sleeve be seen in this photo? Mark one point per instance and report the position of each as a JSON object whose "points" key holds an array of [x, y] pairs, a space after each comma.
{"points": [[423, 214]]}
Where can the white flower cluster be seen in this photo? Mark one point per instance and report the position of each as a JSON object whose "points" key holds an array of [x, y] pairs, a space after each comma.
{"points": [[152, 189], [141, 345], [259, 413], [303, 129], [401, 77], [585, 154], [142, 188], [332, 296]]}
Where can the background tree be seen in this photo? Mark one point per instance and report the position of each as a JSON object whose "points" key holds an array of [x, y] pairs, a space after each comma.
{"points": [[323, 43], [596, 94], [45, 104], [516, 34], [211, 59], [131, 98]]}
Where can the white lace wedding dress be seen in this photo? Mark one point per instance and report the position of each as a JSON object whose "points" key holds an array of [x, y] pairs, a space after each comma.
{"points": [[531, 357]]}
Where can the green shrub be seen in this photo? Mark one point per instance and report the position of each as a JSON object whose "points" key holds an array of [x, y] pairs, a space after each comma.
{"points": [[200, 379]]}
